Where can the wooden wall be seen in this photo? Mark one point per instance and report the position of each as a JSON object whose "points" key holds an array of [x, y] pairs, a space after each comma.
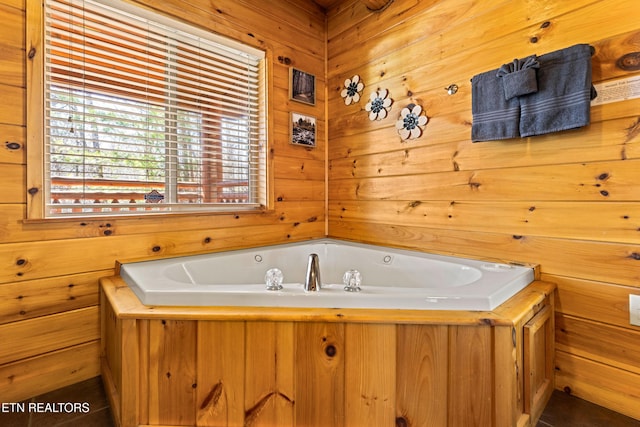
{"points": [[49, 270], [568, 201]]}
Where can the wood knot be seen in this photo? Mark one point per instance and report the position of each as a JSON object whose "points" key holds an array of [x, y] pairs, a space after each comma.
{"points": [[635, 256], [330, 350], [12, 145], [629, 62], [213, 397], [402, 422]]}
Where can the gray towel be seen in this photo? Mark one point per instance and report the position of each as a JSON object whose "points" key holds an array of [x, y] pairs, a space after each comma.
{"points": [[563, 100], [519, 77], [494, 117]]}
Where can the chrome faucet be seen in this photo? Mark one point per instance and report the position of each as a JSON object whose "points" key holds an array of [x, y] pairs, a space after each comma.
{"points": [[312, 280]]}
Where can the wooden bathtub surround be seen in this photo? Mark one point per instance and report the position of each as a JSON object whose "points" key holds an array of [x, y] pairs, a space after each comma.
{"points": [[255, 366]]}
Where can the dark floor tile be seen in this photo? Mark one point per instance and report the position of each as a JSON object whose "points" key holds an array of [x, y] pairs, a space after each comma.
{"points": [[564, 410], [14, 414], [101, 418], [69, 403], [79, 405]]}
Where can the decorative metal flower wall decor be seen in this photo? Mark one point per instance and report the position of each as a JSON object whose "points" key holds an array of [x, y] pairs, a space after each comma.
{"points": [[352, 89], [411, 121], [378, 104]]}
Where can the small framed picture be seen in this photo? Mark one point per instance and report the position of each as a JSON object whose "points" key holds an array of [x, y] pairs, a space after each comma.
{"points": [[302, 86], [303, 130]]}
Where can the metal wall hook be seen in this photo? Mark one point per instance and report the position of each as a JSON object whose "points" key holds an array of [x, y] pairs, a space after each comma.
{"points": [[451, 89]]}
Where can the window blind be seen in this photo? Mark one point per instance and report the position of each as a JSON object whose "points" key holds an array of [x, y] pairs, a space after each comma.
{"points": [[145, 114]]}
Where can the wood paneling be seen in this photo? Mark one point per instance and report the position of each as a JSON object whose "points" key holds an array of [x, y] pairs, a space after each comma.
{"points": [[320, 348], [50, 269], [567, 201]]}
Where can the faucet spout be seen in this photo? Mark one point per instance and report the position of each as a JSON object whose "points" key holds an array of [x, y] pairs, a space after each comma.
{"points": [[312, 279]]}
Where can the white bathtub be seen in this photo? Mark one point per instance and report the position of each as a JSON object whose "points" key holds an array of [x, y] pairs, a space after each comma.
{"points": [[391, 278]]}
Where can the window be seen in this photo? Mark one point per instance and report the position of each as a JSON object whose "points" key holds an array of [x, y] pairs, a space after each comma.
{"points": [[143, 114]]}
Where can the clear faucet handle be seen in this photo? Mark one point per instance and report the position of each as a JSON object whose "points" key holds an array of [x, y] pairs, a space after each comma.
{"points": [[273, 279], [352, 280]]}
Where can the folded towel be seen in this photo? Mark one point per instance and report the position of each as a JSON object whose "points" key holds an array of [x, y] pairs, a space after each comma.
{"points": [[494, 117], [519, 77], [563, 99]]}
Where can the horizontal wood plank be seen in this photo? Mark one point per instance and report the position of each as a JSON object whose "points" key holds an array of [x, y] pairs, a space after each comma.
{"points": [[611, 345], [14, 231], [606, 262], [54, 332], [616, 222], [601, 181], [598, 301], [599, 383], [424, 157], [27, 300], [31, 377], [25, 261]]}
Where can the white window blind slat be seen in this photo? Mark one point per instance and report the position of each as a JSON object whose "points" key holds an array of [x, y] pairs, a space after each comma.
{"points": [[145, 114]]}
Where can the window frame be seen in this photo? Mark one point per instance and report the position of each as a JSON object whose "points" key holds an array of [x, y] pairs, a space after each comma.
{"points": [[36, 117]]}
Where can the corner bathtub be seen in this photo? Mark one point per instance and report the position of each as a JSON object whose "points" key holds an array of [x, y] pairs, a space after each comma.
{"points": [[202, 342], [391, 279]]}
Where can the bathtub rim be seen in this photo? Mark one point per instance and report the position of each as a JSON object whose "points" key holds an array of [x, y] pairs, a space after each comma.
{"points": [[126, 305], [408, 249]]}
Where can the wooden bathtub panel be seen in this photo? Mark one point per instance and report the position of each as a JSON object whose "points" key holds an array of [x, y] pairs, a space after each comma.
{"points": [[142, 329], [220, 376], [470, 373], [370, 350], [320, 377], [268, 372], [172, 374], [422, 370], [269, 366]]}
